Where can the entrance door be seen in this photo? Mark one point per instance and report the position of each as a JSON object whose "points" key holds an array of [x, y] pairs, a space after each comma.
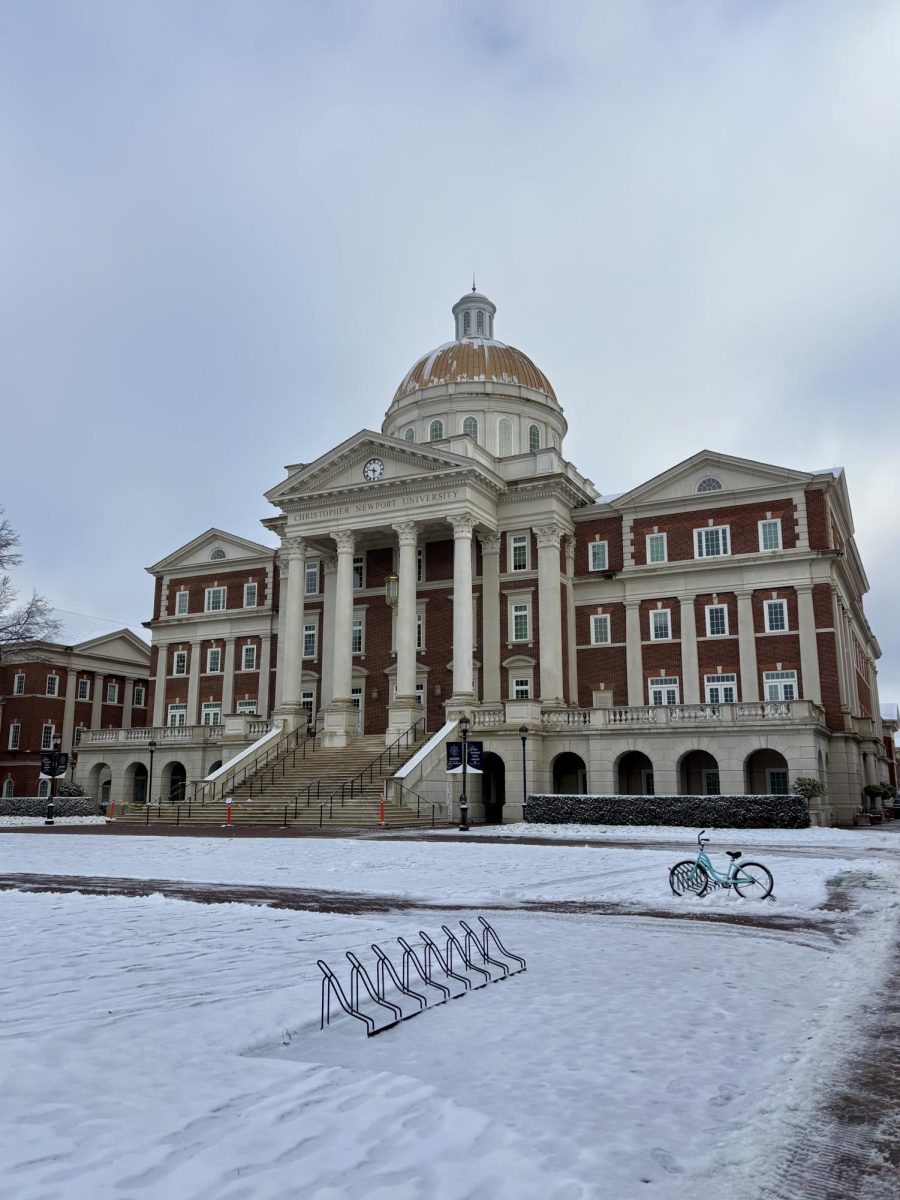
{"points": [[493, 788], [356, 697]]}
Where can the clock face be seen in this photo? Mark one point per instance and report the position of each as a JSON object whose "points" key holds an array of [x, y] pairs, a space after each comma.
{"points": [[374, 469]]}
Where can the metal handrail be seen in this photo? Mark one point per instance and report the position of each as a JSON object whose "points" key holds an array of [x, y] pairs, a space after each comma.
{"points": [[260, 761], [388, 753], [420, 800]]}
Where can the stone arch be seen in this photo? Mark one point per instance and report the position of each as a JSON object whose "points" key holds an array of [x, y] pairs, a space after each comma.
{"points": [[136, 779], [100, 782], [634, 774], [569, 774], [173, 783], [698, 774], [766, 770], [215, 766]]}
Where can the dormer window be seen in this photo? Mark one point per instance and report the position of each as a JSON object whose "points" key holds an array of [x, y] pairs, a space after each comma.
{"points": [[467, 323], [217, 554], [435, 431], [479, 322], [709, 484], [534, 438]]}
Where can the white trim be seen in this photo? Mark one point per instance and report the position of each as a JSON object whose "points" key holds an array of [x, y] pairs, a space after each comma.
{"points": [[776, 521], [666, 687], [716, 687], [177, 656], [600, 621], [245, 651], [703, 539], [210, 669], [54, 691], [15, 728], [312, 570], [112, 694], [181, 607], [514, 539], [514, 602], [211, 708], [139, 696], [779, 682], [658, 612], [249, 708], [709, 610], [598, 566], [767, 606], [665, 548], [19, 690], [85, 686], [47, 739], [176, 709], [359, 572], [358, 623], [209, 596], [251, 589], [310, 623]]}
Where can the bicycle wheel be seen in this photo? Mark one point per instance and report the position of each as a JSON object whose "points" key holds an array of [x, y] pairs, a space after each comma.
{"points": [[681, 880], [753, 880]]}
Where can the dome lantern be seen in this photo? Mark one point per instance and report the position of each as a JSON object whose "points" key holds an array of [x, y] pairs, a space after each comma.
{"points": [[474, 315]]}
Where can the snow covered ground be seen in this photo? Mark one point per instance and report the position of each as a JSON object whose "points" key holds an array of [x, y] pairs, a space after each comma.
{"points": [[161, 1049]]}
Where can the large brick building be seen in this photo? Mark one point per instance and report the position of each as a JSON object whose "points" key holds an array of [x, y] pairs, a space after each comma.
{"points": [[702, 632]]}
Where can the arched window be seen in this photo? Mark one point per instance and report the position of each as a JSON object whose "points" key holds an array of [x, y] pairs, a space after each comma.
{"points": [[504, 437], [554, 441], [534, 438], [216, 555], [479, 322], [470, 426], [467, 323], [435, 431], [709, 484], [8, 788], [410, 435]]}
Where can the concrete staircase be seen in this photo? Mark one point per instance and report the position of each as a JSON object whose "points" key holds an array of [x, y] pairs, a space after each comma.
{"points": [[323, 789]]}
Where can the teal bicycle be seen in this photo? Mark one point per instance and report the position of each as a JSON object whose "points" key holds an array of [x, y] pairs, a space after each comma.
{"points": [[699, 876]]}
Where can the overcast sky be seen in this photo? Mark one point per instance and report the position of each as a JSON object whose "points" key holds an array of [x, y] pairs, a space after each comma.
{"points": [[230, 228]]}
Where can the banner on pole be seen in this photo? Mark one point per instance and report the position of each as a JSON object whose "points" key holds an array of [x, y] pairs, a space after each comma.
{"points": [[62, 765], [474, 758]]}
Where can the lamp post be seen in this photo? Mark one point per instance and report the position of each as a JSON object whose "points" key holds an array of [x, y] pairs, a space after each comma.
{"points": [[463, 802], [54, 763], [523, 734], [151, 746]]}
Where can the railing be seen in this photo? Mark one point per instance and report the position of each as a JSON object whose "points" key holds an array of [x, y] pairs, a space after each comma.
{"points": [[696, 714], [394, 751], [404, 796], [488, 718], [159, 733], [566, 718], [298, 741]]}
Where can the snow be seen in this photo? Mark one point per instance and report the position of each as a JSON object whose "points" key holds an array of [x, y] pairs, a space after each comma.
{"points": [[10, 821], [169, 1050]]}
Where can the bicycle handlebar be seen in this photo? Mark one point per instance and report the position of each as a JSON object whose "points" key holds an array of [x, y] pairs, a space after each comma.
{"points": [[701, 840]]}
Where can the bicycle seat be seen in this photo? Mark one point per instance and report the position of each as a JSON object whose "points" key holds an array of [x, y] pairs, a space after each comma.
{"points": [[733, 853]]}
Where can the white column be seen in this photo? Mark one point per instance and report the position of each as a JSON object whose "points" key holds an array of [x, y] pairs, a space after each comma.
{"points": [[68, 727], [490, 617], [809, 649], [690, 667], [406, 614], [634, 663], [265, 675], [326, 633], [97, 701], [570, 618], [228, 678], [550, 613], [290, 660], [747, 647], [159, 692], [462, 608], [844, 676], [127, 703], [193, 694], [342, 658]]}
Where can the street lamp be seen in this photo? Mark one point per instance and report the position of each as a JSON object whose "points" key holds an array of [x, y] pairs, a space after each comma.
{"points": [[523, 734], [151, 746], [463, 802], [54, 764]]}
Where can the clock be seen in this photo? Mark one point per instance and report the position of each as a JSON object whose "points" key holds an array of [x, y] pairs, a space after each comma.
{"points": [[374, 469]]}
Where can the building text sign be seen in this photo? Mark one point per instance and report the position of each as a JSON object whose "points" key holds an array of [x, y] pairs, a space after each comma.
{"points": [[386, 504]]}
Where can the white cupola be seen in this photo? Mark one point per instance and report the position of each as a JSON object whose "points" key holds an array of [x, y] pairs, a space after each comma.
{"points": [[474, 315]]}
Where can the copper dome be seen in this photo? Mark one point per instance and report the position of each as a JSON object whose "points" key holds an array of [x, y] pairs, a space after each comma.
{"points": [[474, 360]]}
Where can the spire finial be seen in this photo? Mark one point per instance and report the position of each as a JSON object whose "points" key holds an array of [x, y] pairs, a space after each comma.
{"points": [[473, 281]]}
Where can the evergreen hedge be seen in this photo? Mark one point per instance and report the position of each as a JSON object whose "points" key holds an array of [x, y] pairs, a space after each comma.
{"points": [[36, 806], [710, 812]]}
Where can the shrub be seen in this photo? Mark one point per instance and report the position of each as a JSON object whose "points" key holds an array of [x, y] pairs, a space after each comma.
{"points": [[710, 812], [36, 806], [808, 787]]}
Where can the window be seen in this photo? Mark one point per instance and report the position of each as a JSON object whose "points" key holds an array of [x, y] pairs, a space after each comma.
{"points": [[140, 696], [776, 616], [52, 685], [716, 620], [435, 431], [648, 787], [420, 630], [409, 435], [216, 599], [181, 603], [308, 702], [179, 662], [420, 564], [311, 586], [534, 438], [777, 781], [657, 549], [770, 535], [599, 629], [709, 777], [7, 788], [217, 554], [359, 572], [177, 714], [112, 693], [310, 629], [249, 595], [84, 689], [470, 426], [356, 646], [780, 685], [43, 788], [504, 437], [47, 737], [660, 625], [712, 542], [248, 658], [598, 556], [720, 689], [212, 713], [521, 621], [19, 685], [709, 484], [521, 688], [518, 546], [467, 322], [479, 322], [213, 661], [15, 733], [76, 736], [247, 706], [664, 690]]}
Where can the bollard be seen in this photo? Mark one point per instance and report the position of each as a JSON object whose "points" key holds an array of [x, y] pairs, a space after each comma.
{"points": [[228, 812], [111, 815], [382, 806], [49, 818]]}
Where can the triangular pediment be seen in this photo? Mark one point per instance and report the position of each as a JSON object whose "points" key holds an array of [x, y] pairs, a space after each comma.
{"points": [[121, 645], [366, 460], [696, 478], [212, 549]]}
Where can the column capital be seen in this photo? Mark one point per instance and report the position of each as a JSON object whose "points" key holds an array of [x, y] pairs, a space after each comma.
{"points": [[293, 547], [329, 565], [345, 540], [490, 543], [632, 602], [407, 533], [549, 535], [463, 525], [804, 586]]}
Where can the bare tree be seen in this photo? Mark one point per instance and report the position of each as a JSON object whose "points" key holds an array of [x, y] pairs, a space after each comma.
{"points": [[26, 622]]}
